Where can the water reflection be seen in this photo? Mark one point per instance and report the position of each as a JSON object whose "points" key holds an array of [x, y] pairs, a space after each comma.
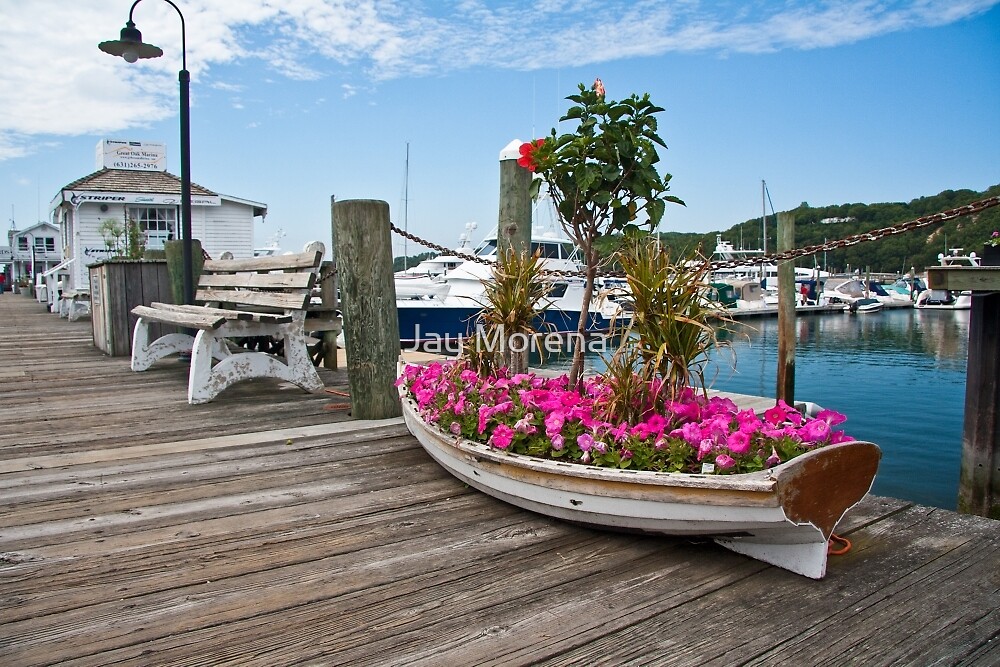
{"points": [[899, 376]]}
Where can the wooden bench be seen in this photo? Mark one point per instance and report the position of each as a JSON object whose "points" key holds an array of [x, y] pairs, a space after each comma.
{"points": [[74, 304], [243, 298]]}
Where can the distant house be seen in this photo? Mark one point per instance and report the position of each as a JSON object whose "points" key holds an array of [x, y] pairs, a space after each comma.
{"points": [[30, 251], [149, 196]]}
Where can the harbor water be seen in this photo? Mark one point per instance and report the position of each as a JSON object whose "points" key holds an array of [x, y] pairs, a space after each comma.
{"points": [[898, 376]]}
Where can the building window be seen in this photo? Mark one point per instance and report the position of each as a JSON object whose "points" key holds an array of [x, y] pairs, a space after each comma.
{"points": [[45, 244], [22, 244], [158, 223]]}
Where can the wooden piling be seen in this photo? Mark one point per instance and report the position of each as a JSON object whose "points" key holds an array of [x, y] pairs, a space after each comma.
{"points": [[787, 297], [363, 252], [514, 223], [979, 481]]}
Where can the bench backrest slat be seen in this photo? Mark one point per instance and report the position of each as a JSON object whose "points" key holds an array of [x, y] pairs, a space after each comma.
{"points": [[257, 280], [296, 300], [302, 260]]}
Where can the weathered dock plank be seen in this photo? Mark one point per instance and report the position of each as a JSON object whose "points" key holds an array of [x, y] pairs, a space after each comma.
{"points": [[266, 529]]}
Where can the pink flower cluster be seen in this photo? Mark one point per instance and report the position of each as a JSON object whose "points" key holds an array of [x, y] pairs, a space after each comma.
{"points": [[541, 416]]}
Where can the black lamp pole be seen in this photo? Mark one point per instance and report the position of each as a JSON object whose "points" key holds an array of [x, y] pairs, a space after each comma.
{"points": [[32, 272], [131, 47]]}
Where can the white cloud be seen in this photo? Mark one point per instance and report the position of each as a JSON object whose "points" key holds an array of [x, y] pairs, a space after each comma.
{"points": [[65, 86]]}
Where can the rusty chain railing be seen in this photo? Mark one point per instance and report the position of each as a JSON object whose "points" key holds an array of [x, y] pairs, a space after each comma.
{"points": [[874, 235]]}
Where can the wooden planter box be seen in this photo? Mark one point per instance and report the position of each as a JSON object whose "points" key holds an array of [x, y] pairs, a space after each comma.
{"points": [[116, 287]]}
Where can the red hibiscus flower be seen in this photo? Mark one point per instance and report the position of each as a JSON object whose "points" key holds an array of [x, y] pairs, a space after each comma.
{"points": [[527, 150]]}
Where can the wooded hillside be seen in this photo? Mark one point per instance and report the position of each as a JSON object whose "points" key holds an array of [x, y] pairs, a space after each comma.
{"points": [[893, 254]]}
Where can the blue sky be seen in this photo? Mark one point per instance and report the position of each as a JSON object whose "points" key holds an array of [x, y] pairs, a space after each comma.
{"points": [[297, 100]]}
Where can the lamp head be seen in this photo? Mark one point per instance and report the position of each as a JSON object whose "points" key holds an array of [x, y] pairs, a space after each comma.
{"points": [[130, 45]]}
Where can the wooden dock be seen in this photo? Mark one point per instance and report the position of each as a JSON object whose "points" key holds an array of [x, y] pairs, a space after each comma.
{"points": [[267, 528]]}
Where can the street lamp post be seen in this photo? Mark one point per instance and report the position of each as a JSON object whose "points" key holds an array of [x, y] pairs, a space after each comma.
{"points": [[131, 47], [31, 248]]}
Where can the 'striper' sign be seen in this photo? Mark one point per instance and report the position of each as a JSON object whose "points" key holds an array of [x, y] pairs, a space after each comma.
{"points": [[135, 155]]}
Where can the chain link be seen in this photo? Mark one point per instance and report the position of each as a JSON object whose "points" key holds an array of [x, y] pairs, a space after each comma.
{"points": [[874, 235]]}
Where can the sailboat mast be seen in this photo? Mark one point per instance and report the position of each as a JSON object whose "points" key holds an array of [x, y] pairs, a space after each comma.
{"points": [[763, 212], [763, 219], [406, 206]]}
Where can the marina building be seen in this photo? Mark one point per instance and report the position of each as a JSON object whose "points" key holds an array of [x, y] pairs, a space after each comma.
{"points": [[132, 187]]}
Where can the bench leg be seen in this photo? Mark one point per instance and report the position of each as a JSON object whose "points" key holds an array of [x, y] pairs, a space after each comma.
{"points": [[201, 386], [78, 309], [301, 370], [206, 381], [145, 354]]}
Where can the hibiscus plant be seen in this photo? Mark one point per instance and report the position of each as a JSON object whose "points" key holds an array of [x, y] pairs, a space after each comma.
{"points": [[601, 177]]}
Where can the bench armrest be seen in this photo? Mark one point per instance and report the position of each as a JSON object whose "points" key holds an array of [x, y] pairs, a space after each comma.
{"points": [[193, 320]]}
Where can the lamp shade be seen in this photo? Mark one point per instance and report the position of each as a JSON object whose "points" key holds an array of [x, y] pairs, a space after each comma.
{"points": [[130, 46]]}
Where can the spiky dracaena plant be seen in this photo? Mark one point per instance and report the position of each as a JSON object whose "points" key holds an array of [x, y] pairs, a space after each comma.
{"points": [[602, 178], [511, 305], [673, 327]]}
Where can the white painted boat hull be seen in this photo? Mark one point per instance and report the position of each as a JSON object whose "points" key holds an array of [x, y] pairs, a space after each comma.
{"points": [[783, 516]]}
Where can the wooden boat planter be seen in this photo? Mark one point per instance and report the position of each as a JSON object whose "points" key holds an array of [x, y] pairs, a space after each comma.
{"points": [[783, 516]]}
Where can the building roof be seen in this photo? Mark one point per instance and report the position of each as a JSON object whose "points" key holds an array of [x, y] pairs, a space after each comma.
{"points": [[15, 233], [127, 180], [144, 182]]}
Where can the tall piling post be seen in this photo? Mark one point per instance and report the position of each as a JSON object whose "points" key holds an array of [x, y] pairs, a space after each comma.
{"points": [[786, 311], [979, 479], [514, 223], [363, 248]]}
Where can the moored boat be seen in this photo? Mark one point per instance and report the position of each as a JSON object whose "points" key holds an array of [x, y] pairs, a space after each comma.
{"points": [[936, 299], [864, 305], [447, 314], [944, 299], [905, 289], [784, 516]]}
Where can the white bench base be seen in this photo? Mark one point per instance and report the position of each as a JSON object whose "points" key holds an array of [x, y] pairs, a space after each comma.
{"points": [[73, 306], [214, 367]]}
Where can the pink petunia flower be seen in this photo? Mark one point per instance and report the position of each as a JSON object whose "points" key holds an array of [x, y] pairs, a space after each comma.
{"points": [[773, 459], [554, 423], [831, 417], [705, 448], [815, 431], [738, 442], [502, 436], [725, 461]]}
